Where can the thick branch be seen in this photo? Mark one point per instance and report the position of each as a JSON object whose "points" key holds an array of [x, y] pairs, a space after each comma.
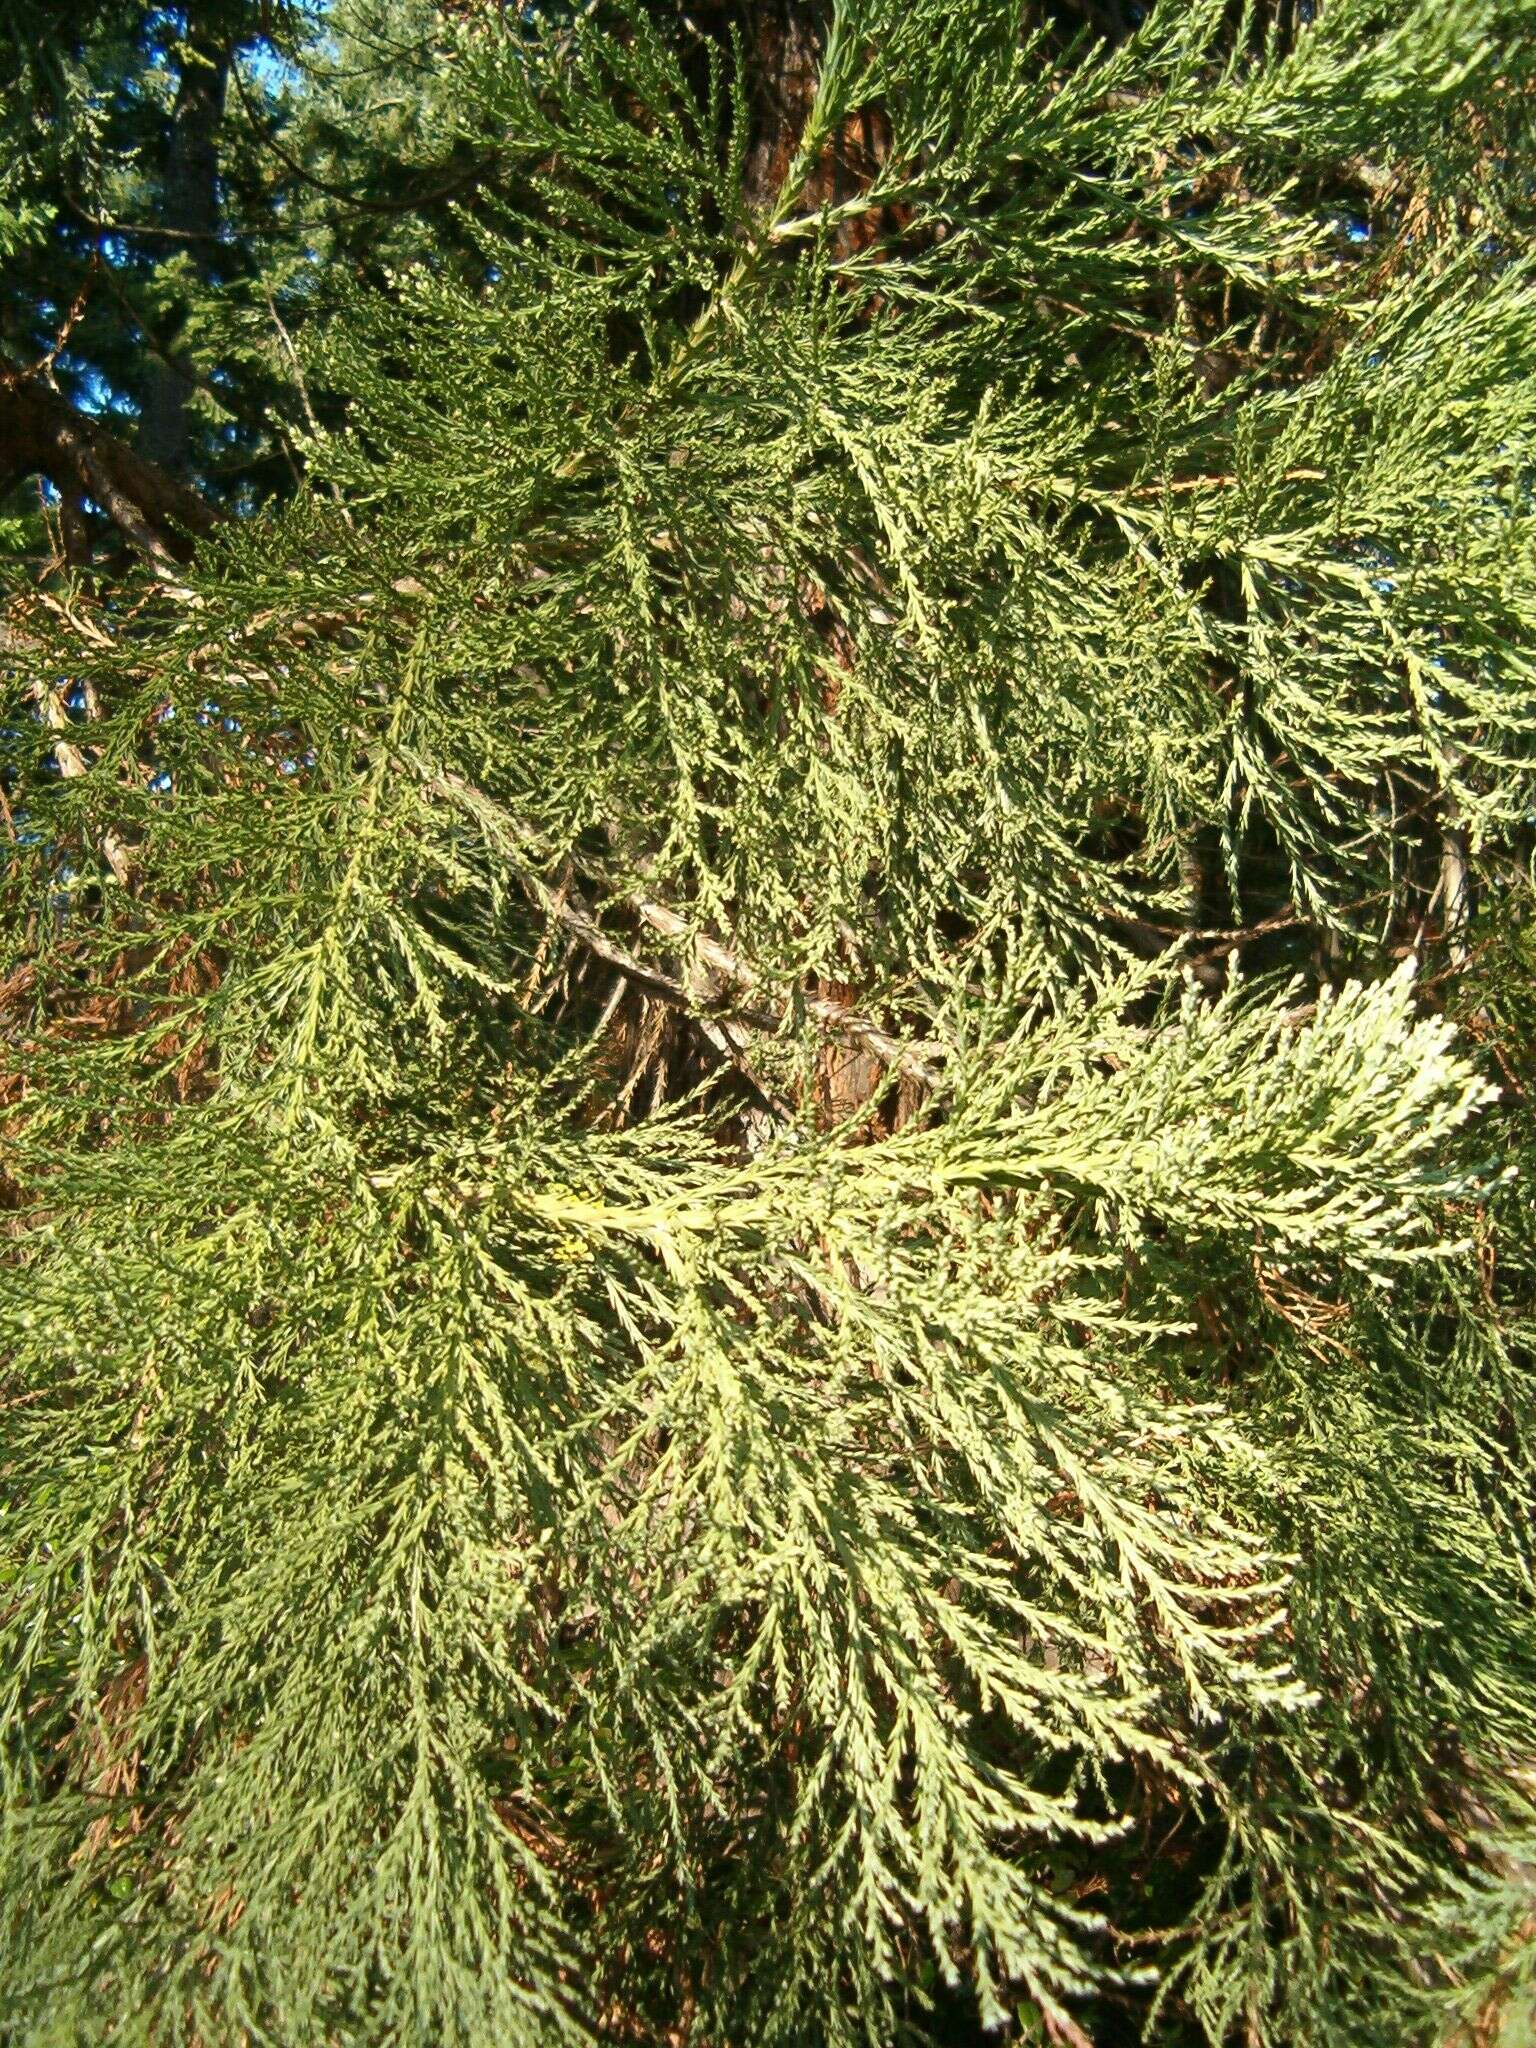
{"points": [[42, 434]]}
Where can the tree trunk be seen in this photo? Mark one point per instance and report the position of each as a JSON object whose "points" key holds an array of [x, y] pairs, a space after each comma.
{"points": [[783, 42], [190, 209]]}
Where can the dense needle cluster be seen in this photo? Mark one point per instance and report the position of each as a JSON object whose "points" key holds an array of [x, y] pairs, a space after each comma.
{"points": [[766, 1274]]}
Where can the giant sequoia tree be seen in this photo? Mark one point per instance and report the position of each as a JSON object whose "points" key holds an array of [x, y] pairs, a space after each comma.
{"points": [[766, 1024]]}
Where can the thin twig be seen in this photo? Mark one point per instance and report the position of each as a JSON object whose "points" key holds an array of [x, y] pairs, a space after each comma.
{"points": [[514, 840], [303, 389]]}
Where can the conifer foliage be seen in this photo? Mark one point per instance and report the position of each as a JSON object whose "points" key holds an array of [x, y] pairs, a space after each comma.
{"points": [[766, 1278]]}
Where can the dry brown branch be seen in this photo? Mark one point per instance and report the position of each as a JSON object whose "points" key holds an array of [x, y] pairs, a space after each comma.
{"points": [[723, 1008]]}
